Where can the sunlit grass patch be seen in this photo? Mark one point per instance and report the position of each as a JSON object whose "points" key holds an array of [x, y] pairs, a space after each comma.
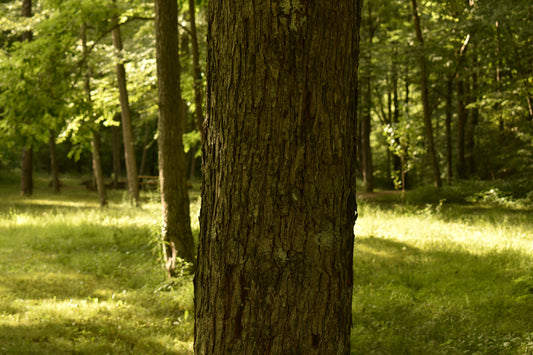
{"points": [[442, 279], [75, 278]]}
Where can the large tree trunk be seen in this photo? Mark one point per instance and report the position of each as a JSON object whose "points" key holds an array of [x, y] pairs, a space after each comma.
{"points": [[275, 258], [176, 232], [127, 130], [365, 127], [54, 169], [424, 87], [95, 143]]}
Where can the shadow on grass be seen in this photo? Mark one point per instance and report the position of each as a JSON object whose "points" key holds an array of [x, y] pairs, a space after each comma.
{"points": [[86, 337], [411, 301]]}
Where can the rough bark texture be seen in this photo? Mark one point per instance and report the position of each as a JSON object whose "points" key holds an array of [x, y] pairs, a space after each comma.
{"points": [[127, 130], [430, 143], [274, 270], [176, 231], [54, 169]]}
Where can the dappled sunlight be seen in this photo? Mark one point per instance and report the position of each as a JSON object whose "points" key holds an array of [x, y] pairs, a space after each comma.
{"points": [[427, 230], [57, 203]]}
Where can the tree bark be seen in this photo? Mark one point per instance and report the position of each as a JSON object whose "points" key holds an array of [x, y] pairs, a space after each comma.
{"points": [[97, 168], [95, 143], [275, 258], [54, 169], [471, 123], [115, 141], [448, 130], [148, 134], [462, 113], [176, 230], [396, 159], [425, 98], [366, 85], [26, 12], [26, 178], [127, 130], [197, 71]]}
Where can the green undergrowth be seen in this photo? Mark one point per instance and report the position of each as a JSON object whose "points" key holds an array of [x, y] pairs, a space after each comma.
{"points": [[435, 272]]}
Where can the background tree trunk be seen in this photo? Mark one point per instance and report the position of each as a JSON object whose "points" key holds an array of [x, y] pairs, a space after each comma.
{"points": [[26, 177], [197, 72], [54, 169], [97, 168], [462, 113], [274, 270], [425, 99], [365, 123], [115, 141], [95, 142], [127, 130], [176, 231], [448, 130]]}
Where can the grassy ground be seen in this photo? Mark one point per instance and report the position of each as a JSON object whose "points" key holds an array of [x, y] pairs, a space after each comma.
{"points": [[78, 279], [443, 278]]}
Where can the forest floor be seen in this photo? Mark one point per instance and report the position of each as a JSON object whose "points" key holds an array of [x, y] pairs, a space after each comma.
{"points": [[435, 272]]}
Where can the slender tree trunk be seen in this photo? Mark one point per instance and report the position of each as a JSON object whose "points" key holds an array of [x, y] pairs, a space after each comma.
{"points": [[176, 230], [425, 98], [54, 169], [498, 75], [406, 175], [448, 128], [197, 71], [462, 116], [97, 168], [396, 160], [95, 143], [366, 149], [146, 146], [26, 178], [278, 202], [471, 122], [127, 130], [115, 142], [462, 113], [27, 12]]}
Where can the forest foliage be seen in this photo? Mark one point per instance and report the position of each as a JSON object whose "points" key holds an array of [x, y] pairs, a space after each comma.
{"points": [[480, 85]]}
